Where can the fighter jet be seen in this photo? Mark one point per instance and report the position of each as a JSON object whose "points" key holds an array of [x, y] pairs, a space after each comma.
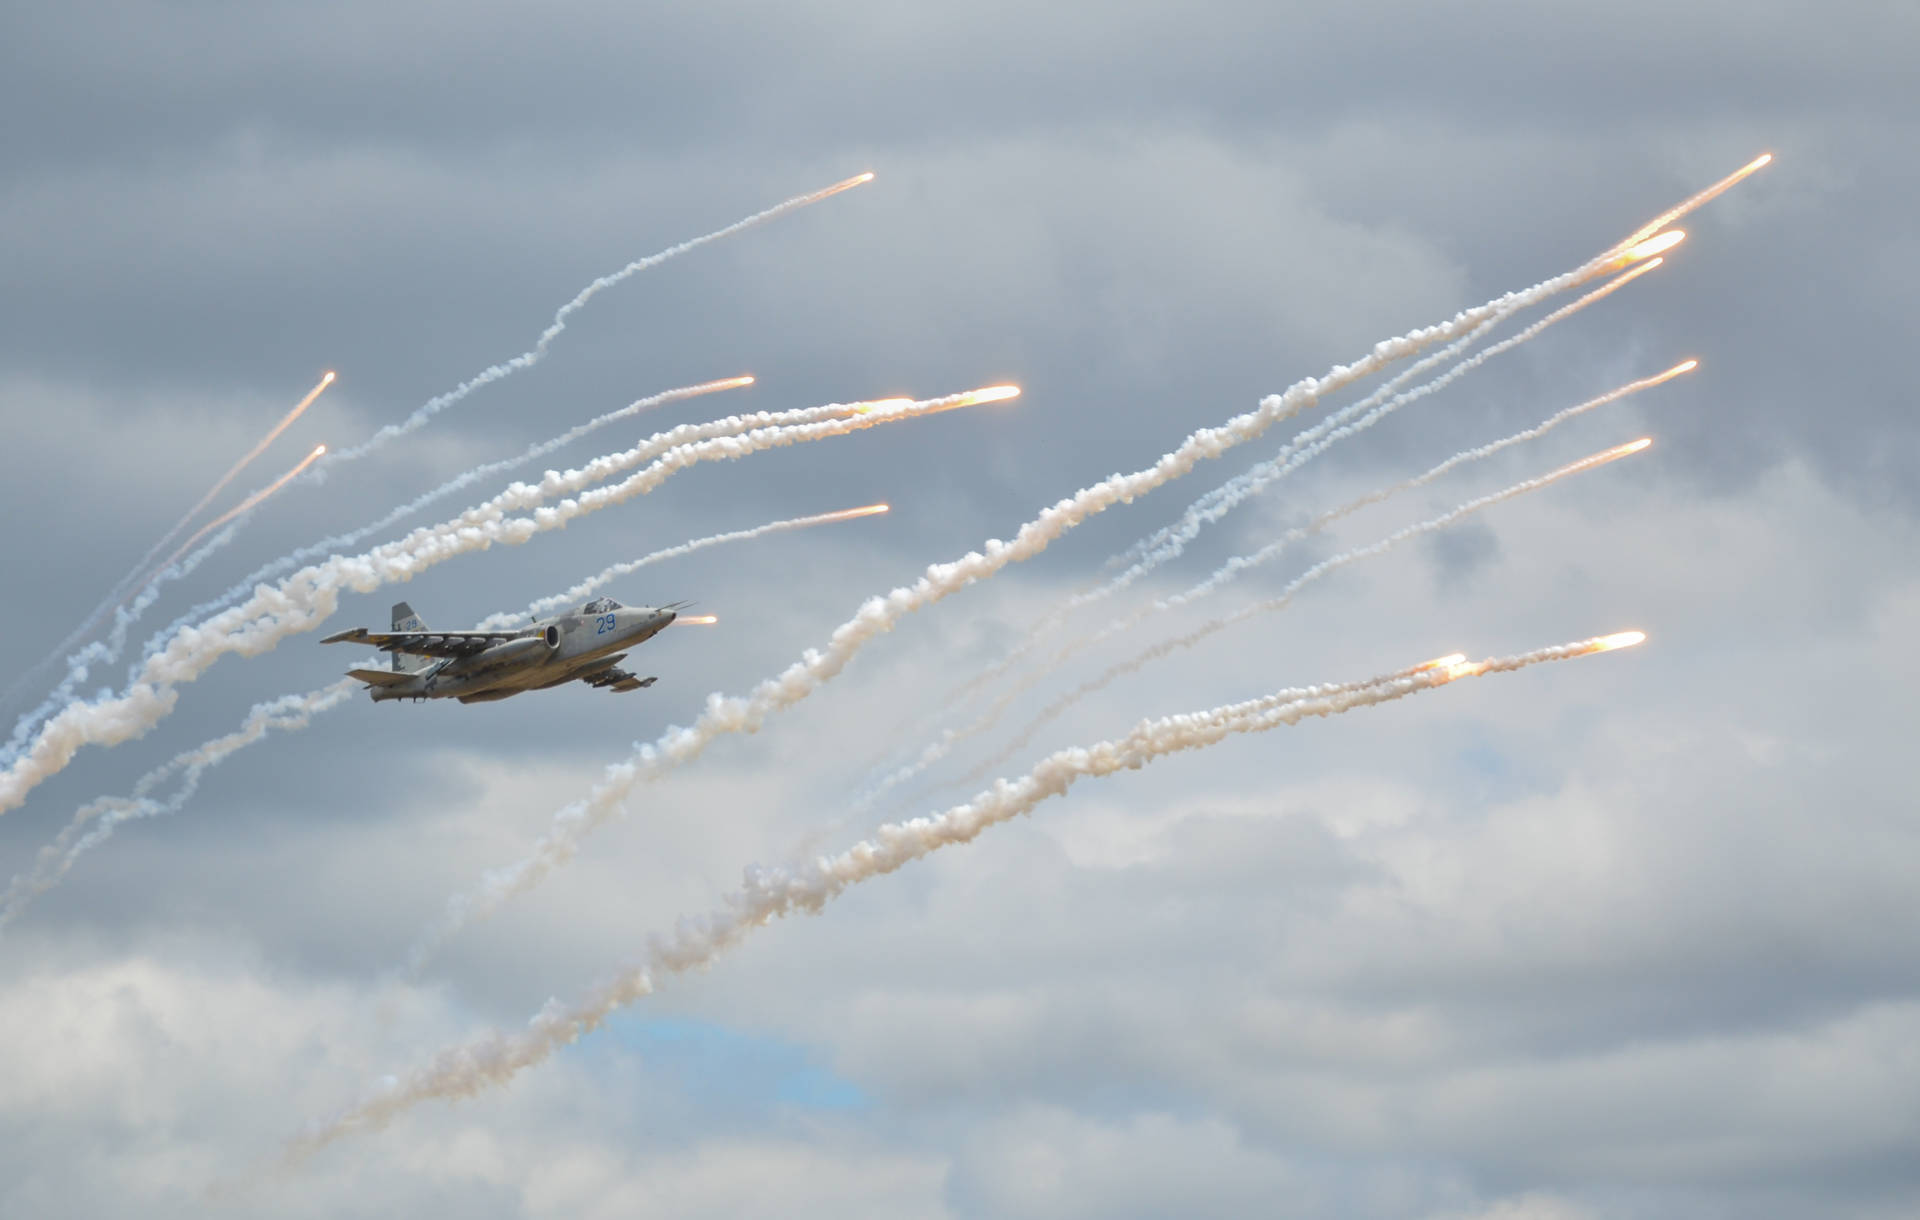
{"points": [[479, 666]]}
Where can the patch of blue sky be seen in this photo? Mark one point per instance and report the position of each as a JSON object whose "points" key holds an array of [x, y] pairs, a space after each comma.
{"points": [[731, 1069]]}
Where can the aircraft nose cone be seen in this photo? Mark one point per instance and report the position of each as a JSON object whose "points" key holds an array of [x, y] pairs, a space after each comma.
{"points": [[662, 617]]}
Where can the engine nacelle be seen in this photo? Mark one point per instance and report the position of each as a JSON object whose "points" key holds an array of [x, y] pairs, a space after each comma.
{"points": [[523, 651]]}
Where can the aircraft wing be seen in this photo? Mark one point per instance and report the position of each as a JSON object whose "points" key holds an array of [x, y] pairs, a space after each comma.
{"points": [[424, 643]]}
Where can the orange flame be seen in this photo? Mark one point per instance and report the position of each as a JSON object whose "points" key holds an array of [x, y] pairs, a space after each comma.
{"points": [[934, 406], [1446, 662], [1619, 639], [1694, 201], [697, 620], [845, 184], [1603, 457], [993, 393], [848, 514], [1654, 246]]}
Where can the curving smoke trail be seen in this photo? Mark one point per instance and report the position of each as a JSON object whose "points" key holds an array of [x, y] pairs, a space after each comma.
{"points": [[767, 894], [745, 714], [95, 822], [538, 351], [307, 597], [941, 747], [573, 596], [1286, 595]]}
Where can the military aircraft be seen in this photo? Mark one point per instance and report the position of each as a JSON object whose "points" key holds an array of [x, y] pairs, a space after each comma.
{"points": [[480, 666]]}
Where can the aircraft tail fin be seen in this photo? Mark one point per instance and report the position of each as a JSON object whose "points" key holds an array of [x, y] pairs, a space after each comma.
{"points": [[404, 619]]}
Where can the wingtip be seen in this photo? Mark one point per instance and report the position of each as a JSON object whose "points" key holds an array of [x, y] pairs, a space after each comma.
{"points": [[342, 637]]}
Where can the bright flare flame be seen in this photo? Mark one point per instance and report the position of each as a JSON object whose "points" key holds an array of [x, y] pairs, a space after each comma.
{"points": [[1473, 669], [1620, 639], [1655, 246], [848, 514], [934, 406], [993, 393], [878, 404], [845, 184], [1603, 457], [1675, 212], [1447, 662], [697, 620]]}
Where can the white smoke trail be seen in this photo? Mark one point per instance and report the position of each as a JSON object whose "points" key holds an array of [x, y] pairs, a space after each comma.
{"points": [[240, 510], [95, 822], [533, 355], [119, 590], [745, 714], [1286, 595], [771, 893], [310, 595], [573, 596], [1170, 542], [102, 651], [80, 663], [938, 749]]}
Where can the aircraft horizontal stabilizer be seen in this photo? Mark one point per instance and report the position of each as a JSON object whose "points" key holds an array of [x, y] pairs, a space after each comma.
{"points": [[380, 677]]}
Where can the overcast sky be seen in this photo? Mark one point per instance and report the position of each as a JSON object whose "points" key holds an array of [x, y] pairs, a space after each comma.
{"points": [[1629, 936]]}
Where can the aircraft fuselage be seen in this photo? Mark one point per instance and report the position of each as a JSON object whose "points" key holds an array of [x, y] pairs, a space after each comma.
{"points": [[559, 650]]}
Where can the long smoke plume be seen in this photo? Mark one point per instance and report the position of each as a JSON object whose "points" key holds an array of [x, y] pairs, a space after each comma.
{"points": [[770, 893]]}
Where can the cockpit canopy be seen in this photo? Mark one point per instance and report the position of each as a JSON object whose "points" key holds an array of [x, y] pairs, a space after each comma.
{"points": [[600, 605]]}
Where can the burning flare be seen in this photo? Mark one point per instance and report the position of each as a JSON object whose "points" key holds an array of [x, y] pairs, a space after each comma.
{"points": [[972, 398], [233, 471], [697, 620], [1653, 247], [1682, 208], [1620, 639]]}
